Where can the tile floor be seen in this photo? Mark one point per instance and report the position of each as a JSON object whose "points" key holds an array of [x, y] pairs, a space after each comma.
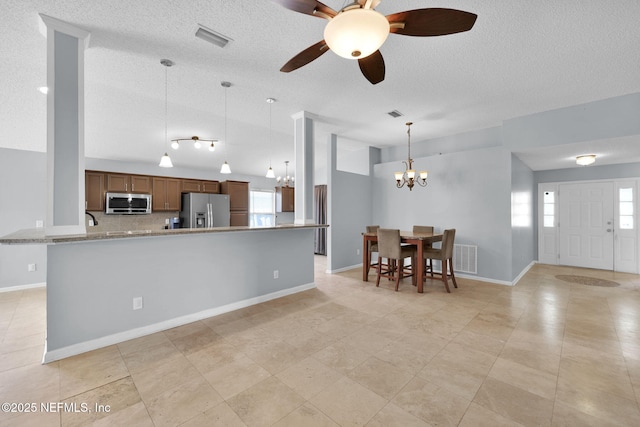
{"points": [[544, 352]]}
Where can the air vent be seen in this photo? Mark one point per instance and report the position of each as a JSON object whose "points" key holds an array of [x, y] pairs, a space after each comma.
{"points": [[211, 36], [395, 114]]}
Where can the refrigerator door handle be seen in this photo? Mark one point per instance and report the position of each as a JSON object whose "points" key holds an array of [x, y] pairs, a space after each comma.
{"points": [[209, 216]]}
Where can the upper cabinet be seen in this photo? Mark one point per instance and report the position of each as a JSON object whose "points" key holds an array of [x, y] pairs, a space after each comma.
{"points": [[94, 191], [166, 194], [122, 183], [285, 199], [197, 186]]}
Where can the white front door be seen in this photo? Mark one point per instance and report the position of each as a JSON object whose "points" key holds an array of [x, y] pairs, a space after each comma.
{"points": [[586, 225]]}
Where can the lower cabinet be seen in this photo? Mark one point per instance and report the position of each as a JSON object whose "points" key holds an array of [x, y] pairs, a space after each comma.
{"points": [[166, 194]]}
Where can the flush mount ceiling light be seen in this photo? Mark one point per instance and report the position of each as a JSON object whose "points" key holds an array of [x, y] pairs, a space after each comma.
{"points": [[586, 159], [211, 36], [357, 31], [165, 160], [197, 142], [409, 175]]}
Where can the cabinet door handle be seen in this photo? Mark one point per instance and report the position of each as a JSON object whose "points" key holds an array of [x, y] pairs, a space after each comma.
{"points": [[125, 187], [132, 187]]}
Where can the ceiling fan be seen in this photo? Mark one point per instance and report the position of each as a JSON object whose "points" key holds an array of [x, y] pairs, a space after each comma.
{"points": [[357, 31]]}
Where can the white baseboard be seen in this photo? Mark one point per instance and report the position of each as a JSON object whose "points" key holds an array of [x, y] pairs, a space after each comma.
{"points": [[72, 350], [340, 270], [23, 287], [523, 272]]}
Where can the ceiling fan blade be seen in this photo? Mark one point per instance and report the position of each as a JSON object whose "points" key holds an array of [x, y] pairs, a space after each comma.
{"points": [[374, 3], [373, 67], [307, 7], [432, 22], [303, 58]]}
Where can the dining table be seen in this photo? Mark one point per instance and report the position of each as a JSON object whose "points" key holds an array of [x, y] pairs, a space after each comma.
{"points": [[409, 237]]}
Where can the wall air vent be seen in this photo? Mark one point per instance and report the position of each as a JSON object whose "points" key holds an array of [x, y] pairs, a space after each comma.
{"points": [[211, 36], [395, 114]]}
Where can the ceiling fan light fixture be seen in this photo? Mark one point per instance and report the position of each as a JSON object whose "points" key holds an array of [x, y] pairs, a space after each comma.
{"points": [[586, 159], [356, 33]]}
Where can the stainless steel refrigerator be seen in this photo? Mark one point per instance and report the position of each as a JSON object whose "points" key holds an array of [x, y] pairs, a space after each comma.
{"points": [[200, 210]]}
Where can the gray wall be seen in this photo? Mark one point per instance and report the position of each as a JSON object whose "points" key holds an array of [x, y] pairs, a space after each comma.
{"points": [[523, 237], [91, 285], [23, 201], [469, 191], [348, 213]]}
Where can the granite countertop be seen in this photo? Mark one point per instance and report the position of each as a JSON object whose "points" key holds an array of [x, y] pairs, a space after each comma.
{"points": [[38, 236]]}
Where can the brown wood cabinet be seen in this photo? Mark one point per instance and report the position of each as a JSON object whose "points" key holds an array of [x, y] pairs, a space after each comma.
{"points": [[128, 183], [238, 192], [166, 194], [196, 186], [285, 199], [94, 191]]}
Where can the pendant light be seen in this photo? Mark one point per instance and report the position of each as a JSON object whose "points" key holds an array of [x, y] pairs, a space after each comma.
{"points": [[225, 166], [165, 161], [270, 173]]}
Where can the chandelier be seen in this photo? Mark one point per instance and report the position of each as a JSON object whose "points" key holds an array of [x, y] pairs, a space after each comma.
{"points": [[409, 175], [286, 179]]}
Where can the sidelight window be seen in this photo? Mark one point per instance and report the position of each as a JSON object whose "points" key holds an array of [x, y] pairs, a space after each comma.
{"points": [[549, 209], [625, 206]]}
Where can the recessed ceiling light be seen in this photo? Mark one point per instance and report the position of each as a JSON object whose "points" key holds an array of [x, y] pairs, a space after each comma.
{"points": [[43, 89], [211, 36]]}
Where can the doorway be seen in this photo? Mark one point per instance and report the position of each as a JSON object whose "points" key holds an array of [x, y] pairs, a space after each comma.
{"points": [[586, 225], [589, 224]]}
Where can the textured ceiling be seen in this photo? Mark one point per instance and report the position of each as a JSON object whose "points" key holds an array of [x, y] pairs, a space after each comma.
{"points": [[520, 58]]}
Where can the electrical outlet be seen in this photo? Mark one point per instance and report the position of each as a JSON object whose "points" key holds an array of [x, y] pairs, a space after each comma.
{"points": [[31, 267], [137, 303], [91, 224], [276, 274], [39, 223]]}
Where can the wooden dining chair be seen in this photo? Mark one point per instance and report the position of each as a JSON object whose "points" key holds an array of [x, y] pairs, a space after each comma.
{"points": [[373, 246], [389, 248], [427, 266], [445, 255]]}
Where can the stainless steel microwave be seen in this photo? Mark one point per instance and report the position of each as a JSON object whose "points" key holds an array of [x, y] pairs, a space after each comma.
{"points": [[128, 204]]}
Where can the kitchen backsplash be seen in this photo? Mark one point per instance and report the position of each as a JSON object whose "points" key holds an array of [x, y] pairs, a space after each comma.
{"points": [[153, 221]]}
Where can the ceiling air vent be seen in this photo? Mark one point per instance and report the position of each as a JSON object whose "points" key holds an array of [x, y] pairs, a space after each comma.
{"points": [[211, 36], [395, 114]]}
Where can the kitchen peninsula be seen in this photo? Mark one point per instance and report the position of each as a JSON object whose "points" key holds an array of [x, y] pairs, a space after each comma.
{"points": [[108, 287]]}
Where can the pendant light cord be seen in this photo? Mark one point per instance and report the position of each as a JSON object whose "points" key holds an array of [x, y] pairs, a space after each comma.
{"points": [[226, 142], [166, 105]]}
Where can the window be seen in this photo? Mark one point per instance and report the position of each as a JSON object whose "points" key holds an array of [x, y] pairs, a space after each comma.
{"points": [[549, 209], [626, 208], [262, 208]]}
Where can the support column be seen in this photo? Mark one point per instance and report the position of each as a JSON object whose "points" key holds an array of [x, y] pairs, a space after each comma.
{"points": [[332, 156], [303, 138], [65, 127]]}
